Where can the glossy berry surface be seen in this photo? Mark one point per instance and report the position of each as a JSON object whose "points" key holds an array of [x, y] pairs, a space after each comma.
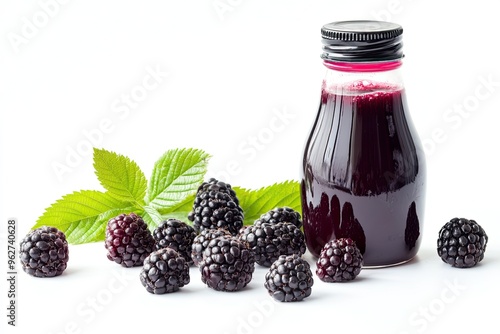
{"points": [[177, 235], [164, 271], [44, 252], [462, 243], [269, 241], [279, 215], [216, 206], [201, 241], [289, 279], [340, 260], [227, 264], [128, 240]]}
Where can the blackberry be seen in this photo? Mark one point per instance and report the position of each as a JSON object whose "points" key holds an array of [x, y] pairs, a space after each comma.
{"points": [[289, 279], [201, 241], [177, 235], [270, 241], [340, 260], [164, 271], [128, 240], [227, 264], [44, 252], [216, 206], [462, 243], [279, 215], [218, 186]]}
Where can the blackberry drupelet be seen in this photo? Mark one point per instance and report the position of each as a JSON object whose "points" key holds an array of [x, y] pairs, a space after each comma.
{"points": [[128, 240], [289, 279], [269, 241], [227, 264], [202, 240], [177, 235], [216, 206], [462, 243], [164, 271], [44, 252], [278, 215], [340, 260]]}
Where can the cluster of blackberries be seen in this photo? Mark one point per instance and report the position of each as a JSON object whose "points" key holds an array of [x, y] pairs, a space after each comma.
{"points": [[165, 254], [225, 263], [225, 251], [217, 242], [268, 241], [277, 242]]}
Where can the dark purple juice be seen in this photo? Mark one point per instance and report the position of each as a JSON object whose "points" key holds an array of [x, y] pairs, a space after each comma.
{"points": [[364, 174]]}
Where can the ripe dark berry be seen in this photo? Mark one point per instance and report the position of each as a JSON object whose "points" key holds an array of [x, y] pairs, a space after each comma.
{"points": [[202, 240], [44, 252], [164, 271], [177, 235], [278, 215], [462, 243], [128, 240], [340, 260], [269, 241], [227, 264], [216, 206], [289, 279]]}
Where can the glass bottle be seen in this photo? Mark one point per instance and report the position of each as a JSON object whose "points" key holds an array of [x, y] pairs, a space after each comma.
{"points": [[363, 173]]}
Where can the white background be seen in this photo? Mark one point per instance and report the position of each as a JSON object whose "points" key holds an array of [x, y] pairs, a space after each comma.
{"points": [[233, 66]]}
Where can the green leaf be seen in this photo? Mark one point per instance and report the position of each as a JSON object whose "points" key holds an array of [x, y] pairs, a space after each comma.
{"points": [[151, 217], [256, 202], [180, 210], [121, 176], [83, 215], [176, 175]]}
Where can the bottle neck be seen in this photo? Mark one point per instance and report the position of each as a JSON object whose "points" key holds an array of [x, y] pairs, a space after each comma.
{"points": [[363, 77], [363, 67]]}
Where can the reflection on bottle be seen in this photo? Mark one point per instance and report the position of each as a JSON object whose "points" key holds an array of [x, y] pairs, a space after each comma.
{"points": [[322, 232], [351, 228], [329, 221], [335, 213], [412, 230]]}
